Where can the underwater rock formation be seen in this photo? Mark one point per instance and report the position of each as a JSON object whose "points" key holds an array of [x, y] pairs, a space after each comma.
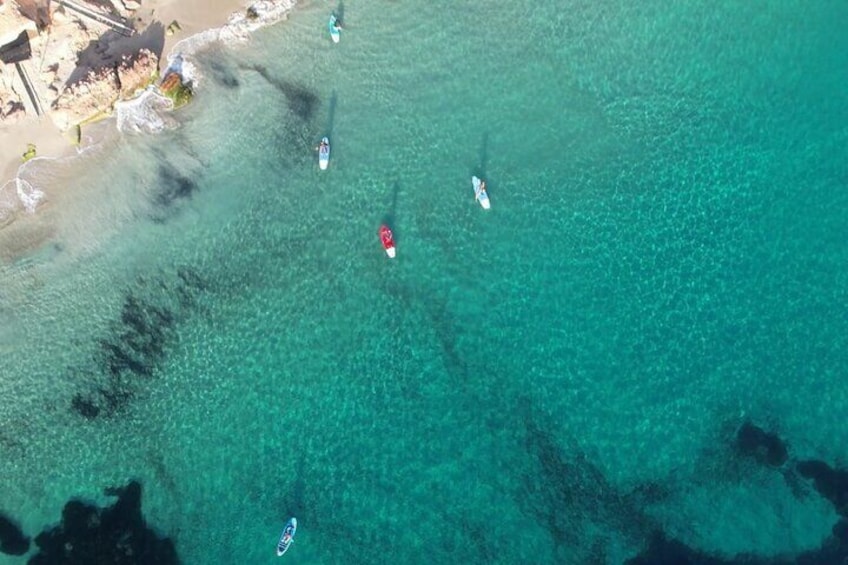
{"points": [[830, 483], [12, 538], [763, 446], [664, 551], [769, 449], [173, 186], [116, 535], [137, 343]]}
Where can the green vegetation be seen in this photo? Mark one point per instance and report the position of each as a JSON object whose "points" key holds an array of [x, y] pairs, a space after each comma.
{"points": [[174, 88], [29, 153], [75, 134], [173, 28]]}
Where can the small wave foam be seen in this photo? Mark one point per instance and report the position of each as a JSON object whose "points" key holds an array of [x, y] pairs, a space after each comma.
{"points": [[29, 195], [237, 30], [145, 113], [19, 194]]}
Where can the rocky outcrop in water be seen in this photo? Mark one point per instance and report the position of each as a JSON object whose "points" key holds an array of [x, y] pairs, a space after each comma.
{"points": [[117, 535], [97, 92]]}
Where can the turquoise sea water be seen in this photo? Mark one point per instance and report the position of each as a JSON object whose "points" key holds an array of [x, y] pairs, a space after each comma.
{"points": [[549, 381]]}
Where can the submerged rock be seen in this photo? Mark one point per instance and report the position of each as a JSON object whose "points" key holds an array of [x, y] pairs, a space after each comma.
{"points": [[12, 538], [830, 483], [116, 535], [763, 446], [130, 354], [768, 448]]}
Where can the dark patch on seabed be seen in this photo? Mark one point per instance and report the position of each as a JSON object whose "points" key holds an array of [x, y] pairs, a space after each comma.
{"points": [[136, 345], [767, 449], [222, 74], [116, 535], [763, 446], [12, 538], [572, 499], [173, 186]]}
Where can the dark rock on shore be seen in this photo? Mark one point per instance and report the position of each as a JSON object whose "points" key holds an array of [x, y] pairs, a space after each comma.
{"points": [[116, 535], [12, 538]]}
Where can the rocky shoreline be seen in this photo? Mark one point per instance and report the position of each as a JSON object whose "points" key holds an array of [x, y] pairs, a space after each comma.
{"points": [[66, 63], [71, 61]]}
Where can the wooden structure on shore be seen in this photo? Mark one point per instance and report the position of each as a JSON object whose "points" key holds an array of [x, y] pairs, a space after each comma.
{"points": [[17, 20]]}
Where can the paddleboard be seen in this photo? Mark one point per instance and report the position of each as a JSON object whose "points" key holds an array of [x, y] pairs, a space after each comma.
{"points": [[388, 241], [287, 537], [324, 154], [335, 32], [480, 193]]}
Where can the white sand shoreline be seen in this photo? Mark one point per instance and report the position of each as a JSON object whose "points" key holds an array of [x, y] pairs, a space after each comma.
{"points": [[195, 18]]}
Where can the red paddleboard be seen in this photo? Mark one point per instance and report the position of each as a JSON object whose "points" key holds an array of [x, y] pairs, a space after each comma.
{"points": [[387, 240]]}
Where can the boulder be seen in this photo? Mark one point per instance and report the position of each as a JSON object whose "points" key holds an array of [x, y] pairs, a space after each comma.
{"points": [[137, 72], [12, 112]]}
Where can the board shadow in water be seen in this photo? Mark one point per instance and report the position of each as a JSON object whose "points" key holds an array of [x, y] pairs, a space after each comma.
{"points": [[391, 218], [483, 156], [331, 115], [294, 502], [301, 101]]}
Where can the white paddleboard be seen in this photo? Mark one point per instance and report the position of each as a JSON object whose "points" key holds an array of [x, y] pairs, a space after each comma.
{"points": [[480, 193], [335, 32], [287, 537], [324, 154]]}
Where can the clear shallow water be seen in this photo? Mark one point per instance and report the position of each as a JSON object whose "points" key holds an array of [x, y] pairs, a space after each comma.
{"points": [[664, 257]]}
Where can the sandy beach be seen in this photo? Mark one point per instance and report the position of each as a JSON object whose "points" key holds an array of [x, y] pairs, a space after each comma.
{"points": [[64, 49]]}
